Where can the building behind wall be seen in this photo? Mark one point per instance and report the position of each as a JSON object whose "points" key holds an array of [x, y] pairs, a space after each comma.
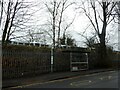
{"points": [[28, 44]]}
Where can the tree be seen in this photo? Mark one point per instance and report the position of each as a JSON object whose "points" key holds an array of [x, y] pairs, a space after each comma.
{"points": [[1, 10], [16, 15], [90, 41], [68, 41], [53, 11], [63, 8], [118, 23], [96, 18], [117, 12], [57, 10], [9, 20]]}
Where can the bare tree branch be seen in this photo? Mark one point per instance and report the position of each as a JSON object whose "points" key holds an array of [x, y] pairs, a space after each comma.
{"points": [[96, 20], [1, 14]]}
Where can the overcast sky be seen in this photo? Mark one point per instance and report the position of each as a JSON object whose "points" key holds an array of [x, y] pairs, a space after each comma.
{"points": [[81, 22], [79, 25]]}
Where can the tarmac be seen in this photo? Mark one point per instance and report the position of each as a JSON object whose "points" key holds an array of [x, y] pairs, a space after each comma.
{"points": [[47, 77]]}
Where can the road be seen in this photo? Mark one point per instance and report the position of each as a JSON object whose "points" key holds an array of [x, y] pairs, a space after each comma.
{"points": [[96, 80]]}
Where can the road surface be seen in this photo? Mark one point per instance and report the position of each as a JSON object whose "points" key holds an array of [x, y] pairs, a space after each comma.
{"points": [[96, 80]]}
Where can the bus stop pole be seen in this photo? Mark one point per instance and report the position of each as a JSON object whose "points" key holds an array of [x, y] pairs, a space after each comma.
{"points": [[87, 61], [70, 61], [52, 58]]}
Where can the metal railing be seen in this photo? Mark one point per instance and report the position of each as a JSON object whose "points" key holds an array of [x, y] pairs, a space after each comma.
{"points": [[17, 64]]}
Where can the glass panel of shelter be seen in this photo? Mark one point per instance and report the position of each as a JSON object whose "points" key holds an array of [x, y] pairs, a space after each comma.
{"points": [[79, 61]]}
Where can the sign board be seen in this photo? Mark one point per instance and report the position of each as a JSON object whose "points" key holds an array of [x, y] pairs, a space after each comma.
{"points": [[74, 68], [51, 59]]}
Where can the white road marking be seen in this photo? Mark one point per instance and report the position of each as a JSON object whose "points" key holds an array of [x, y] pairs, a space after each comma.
{"points": [[109, 77], [101, 78], [90, 81], [78, 83], [112, 71], [64, 79]]}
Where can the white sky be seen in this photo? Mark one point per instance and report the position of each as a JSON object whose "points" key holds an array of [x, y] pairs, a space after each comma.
{"points": [[79, 25]]}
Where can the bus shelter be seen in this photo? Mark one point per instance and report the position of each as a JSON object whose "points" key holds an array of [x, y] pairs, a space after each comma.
{"points": [[78, 59]]}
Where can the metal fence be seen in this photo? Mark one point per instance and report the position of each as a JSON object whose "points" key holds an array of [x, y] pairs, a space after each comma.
{"points": [[29, 63]]}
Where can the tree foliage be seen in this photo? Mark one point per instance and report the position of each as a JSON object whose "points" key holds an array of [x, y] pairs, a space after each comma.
{"points": [[68, 41]]}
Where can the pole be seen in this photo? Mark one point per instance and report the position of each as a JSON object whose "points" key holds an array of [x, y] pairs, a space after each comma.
{"points": [[52, 58], [87, 61], [71, 61]]}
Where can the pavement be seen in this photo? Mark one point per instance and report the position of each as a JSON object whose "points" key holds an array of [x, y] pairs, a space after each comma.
{"points": [[47, 77]]}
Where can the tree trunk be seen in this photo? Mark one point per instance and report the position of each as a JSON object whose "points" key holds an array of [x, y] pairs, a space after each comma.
{"points": [[53, 26], [1, 14], [102, 46], [11, 23], [5, 31], [102, 50], [6, 25]]}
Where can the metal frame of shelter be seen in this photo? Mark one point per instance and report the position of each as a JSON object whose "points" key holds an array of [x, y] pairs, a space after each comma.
{"points": [[78, 59]]}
